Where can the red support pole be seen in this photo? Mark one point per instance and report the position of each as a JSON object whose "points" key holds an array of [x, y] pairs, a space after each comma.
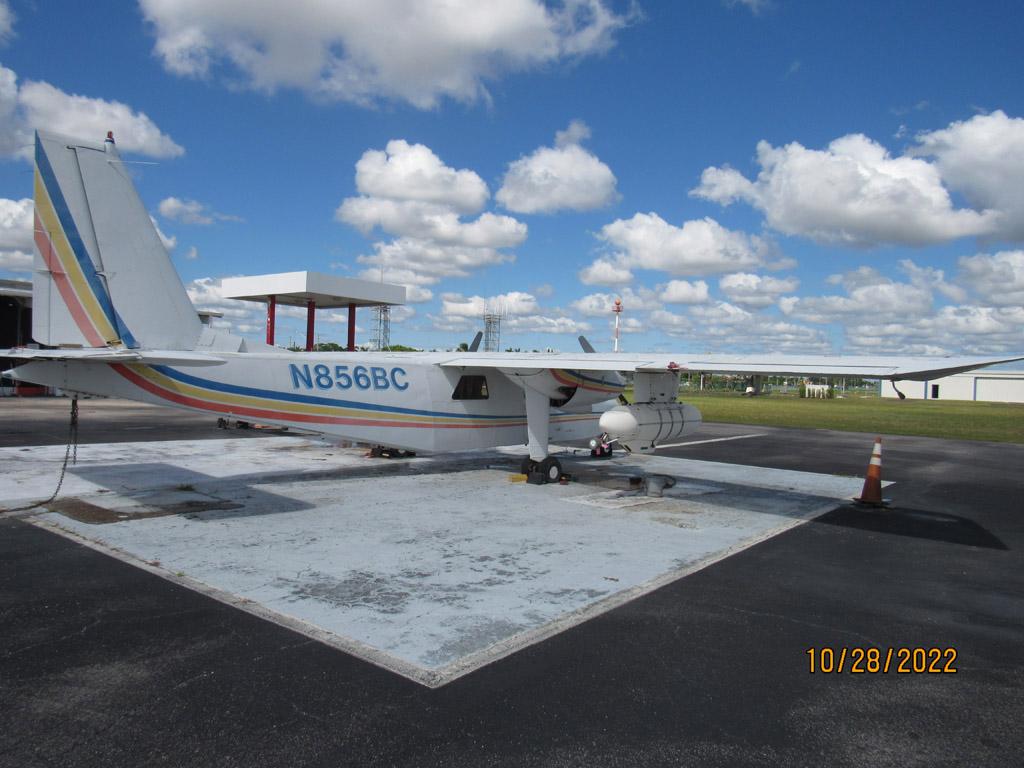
{"points": [[310, 323], [351, 327], [271, 315]]}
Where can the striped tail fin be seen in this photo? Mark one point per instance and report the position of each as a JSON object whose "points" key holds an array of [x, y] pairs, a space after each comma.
{"points": [[102, 276]]}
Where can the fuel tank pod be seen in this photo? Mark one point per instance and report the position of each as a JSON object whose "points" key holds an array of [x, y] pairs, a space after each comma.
{"points": [[643, 426]]}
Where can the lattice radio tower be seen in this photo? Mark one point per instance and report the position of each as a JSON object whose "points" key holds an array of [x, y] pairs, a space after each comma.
{"points": [[381, 327], [492, 332]]}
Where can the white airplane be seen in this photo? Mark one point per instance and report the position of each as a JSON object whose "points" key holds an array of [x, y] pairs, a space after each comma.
{"points": [[115, 320]]}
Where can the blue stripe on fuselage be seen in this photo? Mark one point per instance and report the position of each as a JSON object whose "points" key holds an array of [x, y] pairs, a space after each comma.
{"points": [[296, 397]]}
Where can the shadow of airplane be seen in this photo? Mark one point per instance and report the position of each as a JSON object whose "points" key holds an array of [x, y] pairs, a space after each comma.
{"points": [[915, 523]]}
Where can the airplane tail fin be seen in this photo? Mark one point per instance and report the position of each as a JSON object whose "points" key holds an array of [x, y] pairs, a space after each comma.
{"points": [[102, 276]]}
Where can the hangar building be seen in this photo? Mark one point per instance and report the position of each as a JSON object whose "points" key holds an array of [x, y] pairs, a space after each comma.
{"points": [[985, 384]]}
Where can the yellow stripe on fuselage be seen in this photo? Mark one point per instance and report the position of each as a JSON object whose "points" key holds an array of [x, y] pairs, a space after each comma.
{"points": [[311, 409]]}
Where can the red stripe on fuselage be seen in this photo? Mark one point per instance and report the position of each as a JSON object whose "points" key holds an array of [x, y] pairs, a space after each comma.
{"points": [[259, 413], [581, 383]]}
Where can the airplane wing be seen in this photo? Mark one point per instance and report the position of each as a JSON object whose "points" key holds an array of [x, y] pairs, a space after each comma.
{"points": [[106, 355], [894, 368]]}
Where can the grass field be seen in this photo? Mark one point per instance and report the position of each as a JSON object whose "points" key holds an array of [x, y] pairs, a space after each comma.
{"points": [[953, 419]]}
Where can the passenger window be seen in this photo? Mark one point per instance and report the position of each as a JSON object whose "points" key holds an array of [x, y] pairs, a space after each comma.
{"points": [[471, 388]]}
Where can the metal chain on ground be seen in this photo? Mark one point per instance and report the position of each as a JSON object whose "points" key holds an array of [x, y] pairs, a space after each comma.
{"points": [[70, 453]]}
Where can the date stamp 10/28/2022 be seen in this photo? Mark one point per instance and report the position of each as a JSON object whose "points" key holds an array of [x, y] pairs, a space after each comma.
{"points": [[854, 660]]}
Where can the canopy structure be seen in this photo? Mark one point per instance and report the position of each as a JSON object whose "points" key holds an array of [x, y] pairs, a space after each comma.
{"points": [[312, 290]]}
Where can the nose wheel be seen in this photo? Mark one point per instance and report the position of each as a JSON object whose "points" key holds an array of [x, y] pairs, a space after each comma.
{"points": [[601, 447]]}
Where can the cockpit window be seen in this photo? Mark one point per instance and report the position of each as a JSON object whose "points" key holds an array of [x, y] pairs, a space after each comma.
{"points": [[471, 388]]}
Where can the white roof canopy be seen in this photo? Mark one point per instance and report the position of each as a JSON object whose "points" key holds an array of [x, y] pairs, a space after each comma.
{"points": [[327, 291]]}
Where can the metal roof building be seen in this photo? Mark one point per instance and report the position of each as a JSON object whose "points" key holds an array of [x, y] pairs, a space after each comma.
{"points": [[984, 385]]}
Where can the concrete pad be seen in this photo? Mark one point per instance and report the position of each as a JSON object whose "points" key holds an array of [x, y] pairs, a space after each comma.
{"points": [[430, 567]]}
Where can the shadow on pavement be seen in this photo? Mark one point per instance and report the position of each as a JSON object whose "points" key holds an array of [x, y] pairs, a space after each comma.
{"points": [[915, 523]]}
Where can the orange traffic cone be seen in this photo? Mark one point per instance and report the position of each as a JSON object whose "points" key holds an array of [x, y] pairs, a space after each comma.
{"points": [[872, 491]]}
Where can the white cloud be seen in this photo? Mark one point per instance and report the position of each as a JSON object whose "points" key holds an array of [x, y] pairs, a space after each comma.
{"points": [[754, 6], [576, 133], [600, 304], [415, 294], [685, 292], [519, 312], [699, 247], [15, 261], [962, 329], [415, 282], [43, 106], [169, 241], [670, 322], [870, 295], [721, 313], [404, 171], [16, 224], [427, 221], [752, 290], [930, 277], [406, 50], [431, 261], [15, 137], [984, 158], [239, 316], [407, 191], [630, 325], [722, 326], [876, 313], [545, 324], [997, 279], [605, 272], [7, 18], [507, 304], [853, 193], [563, 177], [191, 212], [595, 304], [192, 253], [544, 290], [397, 275]]}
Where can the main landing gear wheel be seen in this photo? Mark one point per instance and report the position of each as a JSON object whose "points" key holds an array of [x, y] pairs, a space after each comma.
{"points": [[551, 469], [538, 472]]}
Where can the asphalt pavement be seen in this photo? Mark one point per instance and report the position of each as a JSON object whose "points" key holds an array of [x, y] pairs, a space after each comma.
{"points": [[104, 664]]}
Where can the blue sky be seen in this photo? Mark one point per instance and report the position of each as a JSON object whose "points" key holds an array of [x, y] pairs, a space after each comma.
{"points": [[748, 176]]}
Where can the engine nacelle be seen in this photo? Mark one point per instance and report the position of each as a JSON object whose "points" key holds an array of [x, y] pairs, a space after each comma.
{"points": [[642, 426]]}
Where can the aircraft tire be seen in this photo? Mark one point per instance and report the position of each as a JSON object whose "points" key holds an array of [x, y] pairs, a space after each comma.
{"points": [[551, 469], [527, 466]]}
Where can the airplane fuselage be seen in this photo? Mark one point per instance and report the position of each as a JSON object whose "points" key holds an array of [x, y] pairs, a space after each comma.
{"points": [[404, 400]]}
